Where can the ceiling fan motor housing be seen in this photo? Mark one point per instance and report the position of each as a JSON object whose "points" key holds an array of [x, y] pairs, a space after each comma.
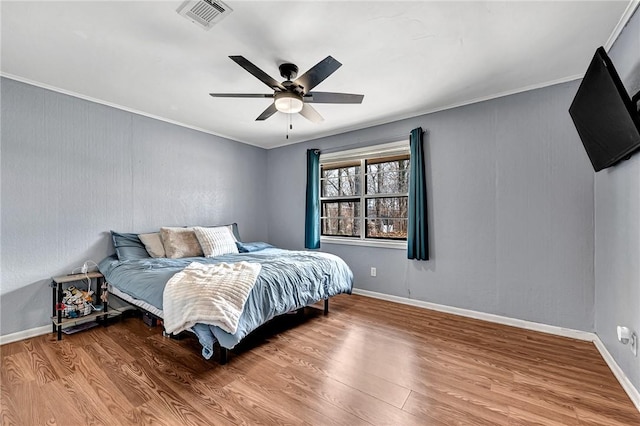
{"points": [[288, 71]]}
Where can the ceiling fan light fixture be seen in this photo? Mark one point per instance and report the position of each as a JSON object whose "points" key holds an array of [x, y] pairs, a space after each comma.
{"points": [[287, 102]]}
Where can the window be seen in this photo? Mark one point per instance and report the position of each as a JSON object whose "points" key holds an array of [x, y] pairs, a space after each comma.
{"points": [[364, 193]]}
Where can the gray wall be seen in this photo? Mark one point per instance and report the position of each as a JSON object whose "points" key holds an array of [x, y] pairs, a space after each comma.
{"points": [[617, 207], [510, 192], [72, 170]]}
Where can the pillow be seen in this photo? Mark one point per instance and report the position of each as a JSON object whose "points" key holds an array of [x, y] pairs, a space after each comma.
{"points": [[216, 241], [128, 246], [180, 242], [232, 226], [153, 243], [251, 247], [234, 231]]}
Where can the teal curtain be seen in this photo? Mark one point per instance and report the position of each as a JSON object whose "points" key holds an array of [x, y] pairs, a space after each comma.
{"points": [[417, 241], [312, 212]]}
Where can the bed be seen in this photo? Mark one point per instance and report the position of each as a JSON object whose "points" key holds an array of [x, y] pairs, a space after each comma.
{"points": [[287, 281]]}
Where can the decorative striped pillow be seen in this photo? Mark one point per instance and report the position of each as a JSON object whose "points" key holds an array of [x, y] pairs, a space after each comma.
{"points": [[216, 241]]}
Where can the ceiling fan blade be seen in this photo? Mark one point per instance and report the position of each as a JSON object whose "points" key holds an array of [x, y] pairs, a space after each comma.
{"points": [[333, 98], [267, 112], [241, 95], [318, 73], [257, 72], [311, 114]]}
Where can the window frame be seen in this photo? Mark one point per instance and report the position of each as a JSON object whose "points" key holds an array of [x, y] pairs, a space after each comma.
{"points": [[361, 155]]}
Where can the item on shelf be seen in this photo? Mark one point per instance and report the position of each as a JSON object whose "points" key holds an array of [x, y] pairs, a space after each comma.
{"points": [[80, 327], [77, 303]]}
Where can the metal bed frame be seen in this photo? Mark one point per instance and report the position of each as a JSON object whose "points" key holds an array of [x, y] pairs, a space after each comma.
{"points": [[224, 352]]}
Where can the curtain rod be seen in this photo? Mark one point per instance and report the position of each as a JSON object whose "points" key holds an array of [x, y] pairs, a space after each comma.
{"points": [[380, 141]]}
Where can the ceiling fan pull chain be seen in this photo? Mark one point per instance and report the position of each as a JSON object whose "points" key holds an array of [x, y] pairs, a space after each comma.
{"points": [[289, 127]]}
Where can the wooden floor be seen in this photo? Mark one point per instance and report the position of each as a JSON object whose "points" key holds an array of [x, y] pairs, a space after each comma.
{"points": [[367, 362]]}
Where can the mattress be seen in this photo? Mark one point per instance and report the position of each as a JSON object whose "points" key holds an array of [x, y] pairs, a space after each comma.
{"points": [[140, 303]]}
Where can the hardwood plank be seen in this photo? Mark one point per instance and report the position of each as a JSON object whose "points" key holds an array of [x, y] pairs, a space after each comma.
{"points": [[65, 354], [11, 348], [445, 411], [127, 337], [163, 397], [255, 396], [127, 385], [545, 408], [144, 415], [91, 401], [301, 402], [12, 398], [205, 392], [30, 395], [519, 417], [153, 414], [170, 352], [16, 369], [61, 356], [100, 385], [59, 398], [305, 354], [588, 398], [40, 365], [211, 402], [103, 339], [609, 418], [167, 406], [346, 398]]}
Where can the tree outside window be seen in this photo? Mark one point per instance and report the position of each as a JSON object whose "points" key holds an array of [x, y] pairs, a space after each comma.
{"points": [[365, 198]]}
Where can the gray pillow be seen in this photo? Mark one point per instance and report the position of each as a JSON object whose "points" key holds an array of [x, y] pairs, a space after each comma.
{"points": [[252, 246], [128, 246]]}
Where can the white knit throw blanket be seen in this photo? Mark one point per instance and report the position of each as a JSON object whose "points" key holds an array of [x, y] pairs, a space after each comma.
{"points": [[209, 294]]}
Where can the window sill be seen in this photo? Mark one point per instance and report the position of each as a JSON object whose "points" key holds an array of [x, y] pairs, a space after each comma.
{"points": [[399, 245]]}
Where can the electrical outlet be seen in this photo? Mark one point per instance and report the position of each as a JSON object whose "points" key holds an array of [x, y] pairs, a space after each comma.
{"points": [[634, 344], [373, 272]]}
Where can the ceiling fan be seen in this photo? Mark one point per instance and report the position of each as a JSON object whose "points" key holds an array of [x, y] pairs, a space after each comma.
{"points": [[292, 97]]}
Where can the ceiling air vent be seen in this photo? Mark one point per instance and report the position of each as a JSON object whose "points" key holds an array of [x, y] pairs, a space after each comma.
{"points": [[204, 13]]}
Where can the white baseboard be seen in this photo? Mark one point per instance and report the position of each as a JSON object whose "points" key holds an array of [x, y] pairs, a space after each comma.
{"points": [[21, 335], [528, 325], [38, 331], [626, 384]]}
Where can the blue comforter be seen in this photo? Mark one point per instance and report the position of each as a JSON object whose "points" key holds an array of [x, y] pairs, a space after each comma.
{"points": [[288, 280]]}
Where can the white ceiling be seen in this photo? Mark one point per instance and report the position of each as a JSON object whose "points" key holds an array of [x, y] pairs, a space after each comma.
{"points": [[407, 58]]}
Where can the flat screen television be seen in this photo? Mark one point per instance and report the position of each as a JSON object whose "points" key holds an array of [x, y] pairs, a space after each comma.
{"points": [[606, 118]]}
